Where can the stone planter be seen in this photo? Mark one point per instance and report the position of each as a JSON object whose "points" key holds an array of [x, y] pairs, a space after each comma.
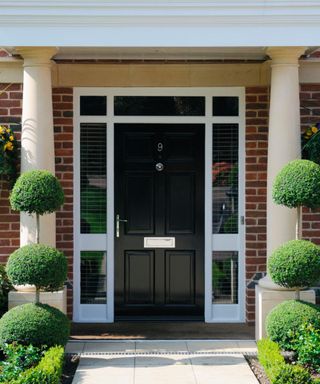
{"points": [[57, 299]]}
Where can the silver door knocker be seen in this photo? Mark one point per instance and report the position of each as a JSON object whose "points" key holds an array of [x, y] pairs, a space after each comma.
{"points": [[159, 167], [160, 147]]}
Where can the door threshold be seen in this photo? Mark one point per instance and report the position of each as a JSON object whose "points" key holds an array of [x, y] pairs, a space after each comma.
{"points": [[159, 318]]}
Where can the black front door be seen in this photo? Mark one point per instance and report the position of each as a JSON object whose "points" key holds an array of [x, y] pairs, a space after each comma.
{"points": [[159, 191]]}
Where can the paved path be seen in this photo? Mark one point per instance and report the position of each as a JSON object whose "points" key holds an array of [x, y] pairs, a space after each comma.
{"points": [[163, 362]]}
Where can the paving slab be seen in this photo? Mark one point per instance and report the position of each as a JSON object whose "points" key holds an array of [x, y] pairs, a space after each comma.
{"points": [[164, 362]]}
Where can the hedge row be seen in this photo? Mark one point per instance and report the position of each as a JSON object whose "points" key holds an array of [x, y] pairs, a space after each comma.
{"points": [[48, 371], [277, 370]]}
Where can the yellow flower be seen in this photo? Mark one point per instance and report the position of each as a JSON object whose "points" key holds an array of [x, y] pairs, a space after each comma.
{"points": [[2, 130], [8, 130], [11, 138], [309, 133], [314, 129], [8, 146]]}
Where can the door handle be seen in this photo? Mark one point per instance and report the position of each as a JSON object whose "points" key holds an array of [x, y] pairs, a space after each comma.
{"points": [[118, 221]]}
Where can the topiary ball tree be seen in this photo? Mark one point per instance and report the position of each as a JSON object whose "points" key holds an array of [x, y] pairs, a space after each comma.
{"points": [[37, 192], [39, 265], [36, 324], [295, 264], [286, 318], [297, 185]]}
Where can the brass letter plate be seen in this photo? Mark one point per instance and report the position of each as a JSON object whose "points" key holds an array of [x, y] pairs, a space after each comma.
{"points": [[159, 242]]}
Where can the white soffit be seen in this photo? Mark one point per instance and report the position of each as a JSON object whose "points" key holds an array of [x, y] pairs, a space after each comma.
{"points": [[159, 23]]}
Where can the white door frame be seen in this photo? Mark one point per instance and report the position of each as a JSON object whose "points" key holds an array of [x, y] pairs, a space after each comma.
{"points": [[105, 242]]}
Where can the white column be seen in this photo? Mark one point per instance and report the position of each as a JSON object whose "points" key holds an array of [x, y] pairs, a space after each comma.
{"points": [[284, 145], [37, 140], [284, 142]]}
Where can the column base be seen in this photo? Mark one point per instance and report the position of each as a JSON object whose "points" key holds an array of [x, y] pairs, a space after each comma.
{"points": [[57, 299], [267, 299]]}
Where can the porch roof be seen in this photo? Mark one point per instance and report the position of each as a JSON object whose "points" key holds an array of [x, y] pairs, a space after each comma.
{"points": [[161, 23]]}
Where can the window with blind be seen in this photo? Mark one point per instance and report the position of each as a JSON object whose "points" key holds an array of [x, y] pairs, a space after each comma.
{"points": [[93, 282], [225, 178], [93, 178], [225, 277]]}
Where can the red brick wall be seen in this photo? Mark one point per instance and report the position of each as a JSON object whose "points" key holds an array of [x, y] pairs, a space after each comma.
{"points": [[10, 115], [257, 105], [310, 113], [63, 136]]}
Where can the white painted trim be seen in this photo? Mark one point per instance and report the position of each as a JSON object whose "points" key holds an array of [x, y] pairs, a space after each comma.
{"points": [[215, 312], [163, 23]]}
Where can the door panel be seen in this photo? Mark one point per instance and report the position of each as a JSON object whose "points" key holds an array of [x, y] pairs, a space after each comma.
{"points": [[180, 203], [180, 268], [159, 190], [139, 277], [140, 202]]}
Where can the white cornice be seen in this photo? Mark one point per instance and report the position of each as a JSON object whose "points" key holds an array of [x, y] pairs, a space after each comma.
{"points": [[159, 23]]}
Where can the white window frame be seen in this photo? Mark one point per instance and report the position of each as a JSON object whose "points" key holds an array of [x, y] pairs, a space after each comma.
{"points": [[105, 242]]}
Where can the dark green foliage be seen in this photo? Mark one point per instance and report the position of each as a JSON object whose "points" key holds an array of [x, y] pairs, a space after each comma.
{"points": [[298, 184], [37, 192], [48, 371], [5, 287], [286, 318], [307, 346], [295, 264], [275, 367], [36, 324], [38, 264], [18, 359], [9, 158]]}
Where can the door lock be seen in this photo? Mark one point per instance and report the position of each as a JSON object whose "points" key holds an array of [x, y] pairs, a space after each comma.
{"points": [[118, 221]]}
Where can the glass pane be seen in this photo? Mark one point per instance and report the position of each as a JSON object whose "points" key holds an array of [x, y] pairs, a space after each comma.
{"points": [[93, 105], [225, 178], [225, 277], [225, 106], [93, 277], [93, 178], [159, 106]]}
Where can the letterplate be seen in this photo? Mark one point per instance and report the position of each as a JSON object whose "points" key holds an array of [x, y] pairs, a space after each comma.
{"points": [[159, 242]]}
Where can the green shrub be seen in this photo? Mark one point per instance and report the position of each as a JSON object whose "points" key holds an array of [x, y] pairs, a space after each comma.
{"points": [[38, 264], [270, 357], [37, 192], [286, 318], [292, 374], [18, 359], [307, 346], [48, 371], [295, 264], [298, 184], [275, 367], [5, 287], [36, 324]]}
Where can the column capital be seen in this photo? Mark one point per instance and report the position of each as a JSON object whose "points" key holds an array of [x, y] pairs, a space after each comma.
{"points": [[285, 55], [34, 56]]}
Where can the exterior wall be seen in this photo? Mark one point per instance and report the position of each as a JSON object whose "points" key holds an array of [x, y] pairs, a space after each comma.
{"points": [[63, 136], [310, 113], [257, 104], [10, 114]]}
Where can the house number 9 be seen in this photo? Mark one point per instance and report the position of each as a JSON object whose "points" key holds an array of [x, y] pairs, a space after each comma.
{"points": [[160, 147]]}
